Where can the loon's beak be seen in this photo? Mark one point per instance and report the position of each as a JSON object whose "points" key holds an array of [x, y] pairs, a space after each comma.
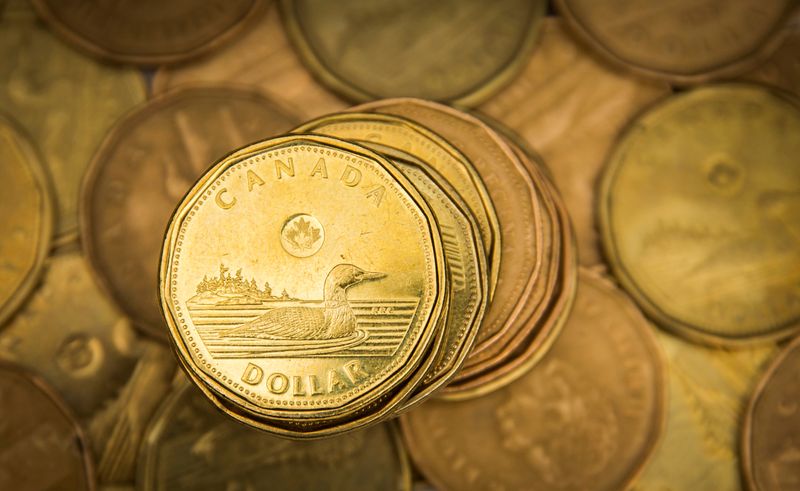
{"points": [[371, 275]]}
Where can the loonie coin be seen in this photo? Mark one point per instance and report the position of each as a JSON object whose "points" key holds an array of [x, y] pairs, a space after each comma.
{"points": [[698, 208], [71, 335], [409, 140], [708, 390], [65, 101], [43, 445], [515, 198], [572, 422], [261, 57], [142, 170], [771, 437], [570, 106], [460, 51], [684, 40], [352, 269], [190, 446], [26, 218], [147, 33]]}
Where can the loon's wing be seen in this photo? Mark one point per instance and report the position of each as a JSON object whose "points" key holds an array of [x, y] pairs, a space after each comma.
{"points": [[285, 323]]}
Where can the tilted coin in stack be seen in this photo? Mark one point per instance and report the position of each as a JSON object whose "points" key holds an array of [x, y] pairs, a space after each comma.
{"points": [[358, 290], [700, 214]]}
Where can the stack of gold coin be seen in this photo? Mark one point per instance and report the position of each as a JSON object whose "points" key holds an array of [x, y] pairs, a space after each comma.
{"points": [[325, 280]]}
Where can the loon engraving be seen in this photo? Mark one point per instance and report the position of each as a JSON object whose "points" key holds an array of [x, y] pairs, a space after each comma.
{"points": [[335, 319]]}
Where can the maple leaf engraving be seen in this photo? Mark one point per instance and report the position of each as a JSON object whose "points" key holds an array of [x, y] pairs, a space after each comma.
{"points": [[302, 234]]}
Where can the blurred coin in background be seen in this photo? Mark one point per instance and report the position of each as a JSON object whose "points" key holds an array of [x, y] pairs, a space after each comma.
{"points": [[708, 391], [569, 107], [261, 57], [142, 170], [685, 41], [26, 217], [70, 334], [454, 50], [65, 100], [700, 213], [771, 437], [43, 446], [190, 445], [147, 32], [782, 68]]}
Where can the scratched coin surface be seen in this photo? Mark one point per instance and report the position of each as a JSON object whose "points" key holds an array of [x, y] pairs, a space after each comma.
{"points": [[142, 170], [708, 391], [262, 57], [573, 422], [771, 439], [698, 209], [26, 217], [305, 337], [71, 335], [147, 32], [43, 445], [402, 137], [64, 100], [191, 446], [452, 50], [570, 106], [683, 40]]}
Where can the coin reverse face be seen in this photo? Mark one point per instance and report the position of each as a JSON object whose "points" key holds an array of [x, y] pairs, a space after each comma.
{"points": [[301, 273], [698, 208]]}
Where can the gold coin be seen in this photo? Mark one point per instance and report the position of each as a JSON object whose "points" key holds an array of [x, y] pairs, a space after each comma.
{"points": [[572, 422], [71, 335], [683, 41], [142, 170], [782, 68], [699, 213], [455, 50], [43, 445], [147, 33], [191, 446], [771, 437], [349, 269], [570, 107], [708, 390], [64, 100], [395, 134], [262, 57], [26, 218]]}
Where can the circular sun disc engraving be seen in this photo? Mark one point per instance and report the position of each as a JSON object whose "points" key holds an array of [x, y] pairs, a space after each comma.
{"points": [[302, 235]]}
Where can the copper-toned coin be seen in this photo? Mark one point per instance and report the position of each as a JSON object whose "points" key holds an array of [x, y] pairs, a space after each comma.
{"points": [[454, 50], [782, 68], [573, 422], [142, 170], [515, 199], [771, 438], [26, 217], [191, 446], [70, 334], [570, 106], [683, 40], [708, 391], [147, 32], [64, 100], [699, 213], [261, 57], [43, 446]]}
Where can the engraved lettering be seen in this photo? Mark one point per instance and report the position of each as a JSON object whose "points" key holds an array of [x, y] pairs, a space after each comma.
{"points": [[277, 383], [253, 179], [320, 168], [351, 176], [354, 370], [313, 384], [335, 381], [253, 374], [281, 167], [376, 195], [225, 205], [297, 386]]}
